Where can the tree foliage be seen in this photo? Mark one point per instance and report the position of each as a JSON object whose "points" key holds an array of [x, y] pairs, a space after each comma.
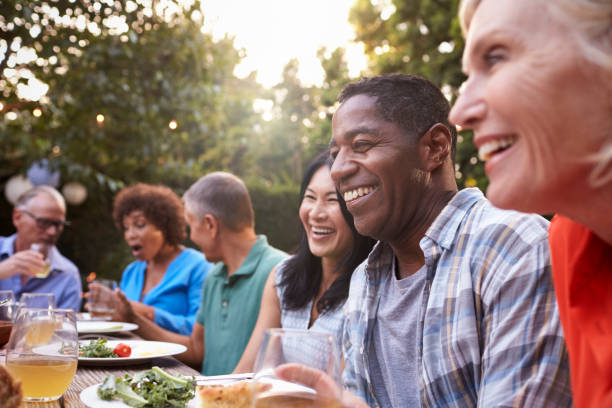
{"points": [[136, 92]]}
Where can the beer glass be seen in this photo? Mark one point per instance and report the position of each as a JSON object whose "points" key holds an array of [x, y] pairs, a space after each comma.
{"points": [[314, 349], [43, 352], [43, 249], [101, 299]]}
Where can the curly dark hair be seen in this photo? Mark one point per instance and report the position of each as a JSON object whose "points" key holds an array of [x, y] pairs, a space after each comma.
{"points": [[411, 102], [160, 205]]}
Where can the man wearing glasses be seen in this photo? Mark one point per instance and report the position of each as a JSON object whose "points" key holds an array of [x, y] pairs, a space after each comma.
{"points": [[29, 260]]}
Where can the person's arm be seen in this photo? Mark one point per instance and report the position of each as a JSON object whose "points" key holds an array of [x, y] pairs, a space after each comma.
{"points": [[23, 262], [524, 360], [71, 295], [325, 387], [269, 317], [183, 323], [149, 330]]}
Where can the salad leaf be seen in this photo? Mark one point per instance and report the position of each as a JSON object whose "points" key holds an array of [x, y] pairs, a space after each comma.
{"points": [[107, 389], [153, 388], [97, 349], [115, 388]]}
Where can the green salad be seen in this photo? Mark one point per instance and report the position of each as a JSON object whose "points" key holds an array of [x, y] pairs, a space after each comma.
{"points": [[152, 388], [97, 349]]}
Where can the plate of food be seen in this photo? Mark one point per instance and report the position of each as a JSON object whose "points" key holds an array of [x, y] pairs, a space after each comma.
{"points": [[237, 394], [154, 387], [103, 352], [100, 326], [86, 316]]}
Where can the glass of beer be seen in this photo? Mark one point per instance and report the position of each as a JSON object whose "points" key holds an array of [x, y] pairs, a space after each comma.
{"points": [[101, 299], [43, 249], [7, 311], [313, 349], [43, 352]]}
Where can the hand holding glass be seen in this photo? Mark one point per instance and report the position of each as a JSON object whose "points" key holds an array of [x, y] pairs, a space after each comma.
{"points": [[43, 352], [101, 298], [313, 349]]}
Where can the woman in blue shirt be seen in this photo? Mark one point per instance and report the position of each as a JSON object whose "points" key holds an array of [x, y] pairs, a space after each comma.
{"points": [[164, 284]]}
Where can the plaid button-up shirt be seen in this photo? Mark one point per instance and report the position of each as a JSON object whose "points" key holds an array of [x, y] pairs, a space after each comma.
{"points": [[488, 333]]}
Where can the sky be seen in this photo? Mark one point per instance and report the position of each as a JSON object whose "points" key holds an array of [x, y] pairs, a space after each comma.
{"points": [[273, 31]]}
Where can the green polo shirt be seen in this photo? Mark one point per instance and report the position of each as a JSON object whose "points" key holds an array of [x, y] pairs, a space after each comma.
{"points": [[230, 307]]}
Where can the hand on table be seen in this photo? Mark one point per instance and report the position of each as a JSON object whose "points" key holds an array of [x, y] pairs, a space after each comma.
{"points": [[319, 381], [126, 310]]}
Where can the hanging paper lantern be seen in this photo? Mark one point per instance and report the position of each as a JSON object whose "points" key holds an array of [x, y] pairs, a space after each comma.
{"points": [[39, 174], [16, 186], [74, 193]]}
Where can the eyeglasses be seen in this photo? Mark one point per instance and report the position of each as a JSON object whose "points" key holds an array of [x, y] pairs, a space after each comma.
{"points": [[45, 223]]}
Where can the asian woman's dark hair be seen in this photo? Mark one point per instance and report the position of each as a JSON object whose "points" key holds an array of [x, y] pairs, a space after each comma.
{"points": [[303, 273]]}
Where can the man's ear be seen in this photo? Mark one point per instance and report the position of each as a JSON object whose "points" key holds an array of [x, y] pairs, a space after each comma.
{"points": [[211, 224], [435, 146], [17, 214]]}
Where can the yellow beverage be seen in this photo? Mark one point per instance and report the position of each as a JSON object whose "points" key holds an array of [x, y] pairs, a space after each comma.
{"points": [[39, 332], [44, 272], [101, 312], [43, 379], [286, 401]]}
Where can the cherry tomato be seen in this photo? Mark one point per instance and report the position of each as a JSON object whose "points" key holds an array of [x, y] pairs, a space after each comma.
{"points": [[122, 350]]}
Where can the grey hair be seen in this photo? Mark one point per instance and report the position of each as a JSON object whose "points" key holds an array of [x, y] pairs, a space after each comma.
{"points": [[225, 197], [25, 198]]}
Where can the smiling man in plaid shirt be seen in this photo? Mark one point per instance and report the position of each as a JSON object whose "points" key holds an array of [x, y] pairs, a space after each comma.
{"points": [[454, 307]]}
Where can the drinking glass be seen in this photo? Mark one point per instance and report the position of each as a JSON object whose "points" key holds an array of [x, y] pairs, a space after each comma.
{"points": [[7, 310], [101, 299], [314, 349], [37, 300], [43, 352], [43, 249]]}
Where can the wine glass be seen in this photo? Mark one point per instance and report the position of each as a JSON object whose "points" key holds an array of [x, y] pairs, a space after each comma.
{"points": [[42, 352], [37, 300], [101, 299], [314, 349], [7, 310]]}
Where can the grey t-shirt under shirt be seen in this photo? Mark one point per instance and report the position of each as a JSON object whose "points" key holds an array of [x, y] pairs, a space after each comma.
{"points": [[394, 350]]}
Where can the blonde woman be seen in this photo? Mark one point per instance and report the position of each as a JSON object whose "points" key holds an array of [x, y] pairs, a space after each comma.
{"points": [[539, 101]]}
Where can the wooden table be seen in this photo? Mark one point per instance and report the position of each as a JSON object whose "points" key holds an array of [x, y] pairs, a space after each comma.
{"points": [[90, 375]]}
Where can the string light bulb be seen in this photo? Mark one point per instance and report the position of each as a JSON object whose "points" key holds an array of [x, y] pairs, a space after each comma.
{"points": [[173, 125], [37, 112], [100, 118]]}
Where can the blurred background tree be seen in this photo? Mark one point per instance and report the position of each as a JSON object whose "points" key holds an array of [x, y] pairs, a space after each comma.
{"points": [[134, 93], [114, 92]]}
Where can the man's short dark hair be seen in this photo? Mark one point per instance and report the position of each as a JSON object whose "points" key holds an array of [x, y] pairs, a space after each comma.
{"points": [[411, 102], [224, 196]]}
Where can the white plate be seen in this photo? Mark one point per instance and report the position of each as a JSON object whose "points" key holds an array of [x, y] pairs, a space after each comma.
{"points": [[142, 351], [91, 399], [96, 326], [86, 316]]}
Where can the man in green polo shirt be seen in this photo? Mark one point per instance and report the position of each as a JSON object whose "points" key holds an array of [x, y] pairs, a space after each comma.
{"points": [[220, 215]]}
